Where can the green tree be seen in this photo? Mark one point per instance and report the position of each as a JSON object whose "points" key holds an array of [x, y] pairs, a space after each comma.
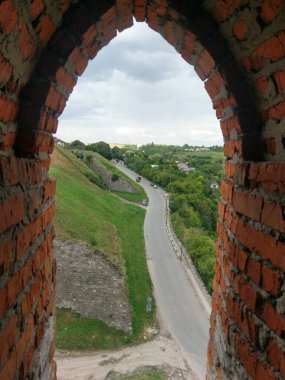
{"points": [[102, 148]]}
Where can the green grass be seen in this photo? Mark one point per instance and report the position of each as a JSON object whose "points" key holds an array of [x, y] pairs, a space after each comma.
{"points": [[86, 213], [77, 332]]}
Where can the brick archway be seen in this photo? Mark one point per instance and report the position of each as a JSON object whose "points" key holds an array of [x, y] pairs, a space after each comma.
{"points": [[238, 49]]}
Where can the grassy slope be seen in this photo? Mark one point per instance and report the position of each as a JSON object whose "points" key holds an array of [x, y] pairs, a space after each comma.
{"points": [[87, 213]]}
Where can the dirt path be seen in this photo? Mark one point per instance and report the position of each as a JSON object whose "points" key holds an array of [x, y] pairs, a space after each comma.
{"points": [[161, 354]]}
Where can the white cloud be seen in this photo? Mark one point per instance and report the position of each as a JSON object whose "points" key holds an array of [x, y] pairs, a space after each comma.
{"points": [[138, 90]]}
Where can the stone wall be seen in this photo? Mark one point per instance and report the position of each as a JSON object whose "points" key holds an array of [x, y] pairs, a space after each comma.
{"points": [[89, 285], [119, 184], [238, 49]]}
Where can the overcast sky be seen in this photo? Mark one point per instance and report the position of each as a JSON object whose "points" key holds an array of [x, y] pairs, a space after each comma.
{"points": [[139, 90]]}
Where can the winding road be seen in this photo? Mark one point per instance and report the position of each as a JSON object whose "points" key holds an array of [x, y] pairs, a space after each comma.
{"points": [[179, 308]]}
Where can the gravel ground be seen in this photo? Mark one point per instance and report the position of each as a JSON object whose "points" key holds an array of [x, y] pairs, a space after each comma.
{"points": [[161, 354]]}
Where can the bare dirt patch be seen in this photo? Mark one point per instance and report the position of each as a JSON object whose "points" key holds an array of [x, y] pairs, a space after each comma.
{"points": [[162, 355]]}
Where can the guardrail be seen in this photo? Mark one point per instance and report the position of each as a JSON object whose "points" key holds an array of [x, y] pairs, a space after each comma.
{"points": [[187, 263]]}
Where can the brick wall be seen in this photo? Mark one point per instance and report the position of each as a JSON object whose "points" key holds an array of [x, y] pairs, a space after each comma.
{"points": [[238, 49]]}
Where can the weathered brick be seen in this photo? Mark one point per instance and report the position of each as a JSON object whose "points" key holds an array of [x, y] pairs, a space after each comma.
{"points": [[5, 71], [6, 255], [240, 30], [279, 78], [78, 60], [269, 10], [27, 44], [8, 109], [248, 204], [34, 142], [12, 212], [37, 7], [271, 280], [273, 215], [45, 29], [8, 16], [8, 337]]}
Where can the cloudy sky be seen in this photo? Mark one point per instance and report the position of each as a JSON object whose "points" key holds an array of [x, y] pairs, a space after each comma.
{"points": [[139, 90]]}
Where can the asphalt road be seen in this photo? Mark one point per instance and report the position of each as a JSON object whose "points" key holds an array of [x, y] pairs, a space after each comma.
{"points": [[180, 310]]}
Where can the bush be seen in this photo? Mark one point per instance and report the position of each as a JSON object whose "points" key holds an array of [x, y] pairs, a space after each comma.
{"points": [[114, 177]]}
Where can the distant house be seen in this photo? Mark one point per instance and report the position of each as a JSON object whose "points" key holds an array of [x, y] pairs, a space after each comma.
{"points": [[214, 185], [183, 167], [59, 142]]}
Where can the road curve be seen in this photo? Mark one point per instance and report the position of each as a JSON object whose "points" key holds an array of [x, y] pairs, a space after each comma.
{"points": [[180, 310]]}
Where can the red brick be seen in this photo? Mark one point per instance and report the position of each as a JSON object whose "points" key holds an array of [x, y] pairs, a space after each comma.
{"points": [[45, 29], [269, 10], [262, 83], [279, 79], [34, 142], [49, 189], [227, 188], [240, 30], [275, 354], [248, 204], [8, 109], [253, 270], [8, 141], [273, 49], [246, 291], [232, 147], [37, 7], [273, 215], [206, 62], [214, 84], [12, 212], [188, 46], [276, 112], [8, 16], [88, 38], [4, 305], [8, 337], [223, 9], [26, 43], [140, 10], [5, 71], [271, 280], [274, 320], [246, 355], [259, 242], [6, 254], [229, 125], [66, 80], [55, 101], [264, 372], [9, 369], [33, 116], [79, 61]]}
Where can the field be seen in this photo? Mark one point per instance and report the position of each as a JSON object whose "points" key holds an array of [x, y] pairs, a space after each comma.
{"points": [[84, 212]]}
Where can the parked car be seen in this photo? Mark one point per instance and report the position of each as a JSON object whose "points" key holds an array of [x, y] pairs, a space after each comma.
{"points": [[138, 179], [145, 202], [155, 186], [151, 184]]}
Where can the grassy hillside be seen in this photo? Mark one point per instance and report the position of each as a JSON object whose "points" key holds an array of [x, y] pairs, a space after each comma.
{"points": [[85, 212], [110, 167]]}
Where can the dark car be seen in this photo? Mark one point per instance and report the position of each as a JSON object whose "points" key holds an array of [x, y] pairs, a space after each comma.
{"points": [[138, 179]]}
